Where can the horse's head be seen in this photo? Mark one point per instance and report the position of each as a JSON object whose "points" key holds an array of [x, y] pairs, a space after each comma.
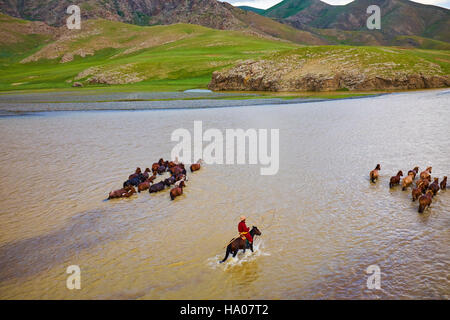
{"points": [[256, 231]]}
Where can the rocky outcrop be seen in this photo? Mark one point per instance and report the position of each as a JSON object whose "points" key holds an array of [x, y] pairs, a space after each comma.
{"points": [[335, 70]]}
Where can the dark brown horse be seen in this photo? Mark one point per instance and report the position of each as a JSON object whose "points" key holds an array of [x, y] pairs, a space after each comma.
{"points": [[395, 180], [157, 187], [444, 183], [425, 201], [146, 173], [434, 186], [155, 167], [135, 174], [162, 169], [177, 191], [374, 173], [146, 184], [425, 183], [238, 243], [417, 192]]}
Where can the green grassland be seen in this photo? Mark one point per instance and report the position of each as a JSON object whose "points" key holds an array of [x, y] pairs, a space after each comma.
{"points": [[185, 61], [163, 58]]}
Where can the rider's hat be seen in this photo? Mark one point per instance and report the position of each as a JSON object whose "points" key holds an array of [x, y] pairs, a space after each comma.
{"points": [[243, 218]]}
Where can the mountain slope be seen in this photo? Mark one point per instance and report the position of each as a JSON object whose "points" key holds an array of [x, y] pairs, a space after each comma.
{"points": [[338, 24], [288, 8], [208, 13], [179, 56], [398, 17]]}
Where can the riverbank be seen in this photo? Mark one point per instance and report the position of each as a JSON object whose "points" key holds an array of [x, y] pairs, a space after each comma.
{"points": [[336, 68], [12, 103]]}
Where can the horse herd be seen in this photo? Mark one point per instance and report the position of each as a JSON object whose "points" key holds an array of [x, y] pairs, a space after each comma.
{"points": [[424, 189], [143, 181]]}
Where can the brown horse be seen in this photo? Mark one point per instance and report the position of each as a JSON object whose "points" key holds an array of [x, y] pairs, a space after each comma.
{"points": [[395, 180], [425, 201], [196, 166], [155, 167], [418, 191], [444, 183], [135, 174], [238, 243], [146, 173], [407, 181], [426, 174], [374, 173], [414, 172], [425, 183], [177, 191], [176, 170], [146, 184], [434, 186], [124, 192]]}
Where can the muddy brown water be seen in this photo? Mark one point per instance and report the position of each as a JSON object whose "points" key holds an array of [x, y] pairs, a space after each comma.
{"points": [[322, 222]]}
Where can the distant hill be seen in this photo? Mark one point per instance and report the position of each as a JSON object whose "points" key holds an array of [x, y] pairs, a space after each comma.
{"points": [[208, 13], [309, 22], [398, 18]]}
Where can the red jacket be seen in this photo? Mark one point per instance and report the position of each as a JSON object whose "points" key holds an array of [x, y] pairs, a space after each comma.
{"points": [[242, 227]]}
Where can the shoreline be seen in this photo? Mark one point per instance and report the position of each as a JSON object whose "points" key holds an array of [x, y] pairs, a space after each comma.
{"points": [[167, 101], [18, 109]]}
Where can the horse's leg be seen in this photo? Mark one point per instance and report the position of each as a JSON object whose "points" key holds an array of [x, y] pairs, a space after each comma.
{"points": [[251, 246]]}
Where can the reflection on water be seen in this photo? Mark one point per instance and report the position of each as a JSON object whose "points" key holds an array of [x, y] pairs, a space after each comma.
{"points": [[322, 222]]}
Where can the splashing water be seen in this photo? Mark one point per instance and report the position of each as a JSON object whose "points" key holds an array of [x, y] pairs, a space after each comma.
{"points": [[241, 257]]}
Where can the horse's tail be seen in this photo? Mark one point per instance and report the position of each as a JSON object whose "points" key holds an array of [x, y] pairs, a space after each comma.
{"points": [[227, 254]]}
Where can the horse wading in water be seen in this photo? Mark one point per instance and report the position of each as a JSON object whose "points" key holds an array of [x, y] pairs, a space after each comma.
{"points": [[239, 243]]}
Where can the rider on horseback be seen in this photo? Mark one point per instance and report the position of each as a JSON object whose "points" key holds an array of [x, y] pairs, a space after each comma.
{"points": [[244, 231]]}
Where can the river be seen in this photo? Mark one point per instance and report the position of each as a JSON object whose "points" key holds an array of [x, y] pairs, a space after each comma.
{"points": [[322, 221]]}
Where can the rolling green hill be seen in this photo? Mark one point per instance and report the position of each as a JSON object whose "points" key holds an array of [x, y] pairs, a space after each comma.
{"points": [[174, 57]]}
